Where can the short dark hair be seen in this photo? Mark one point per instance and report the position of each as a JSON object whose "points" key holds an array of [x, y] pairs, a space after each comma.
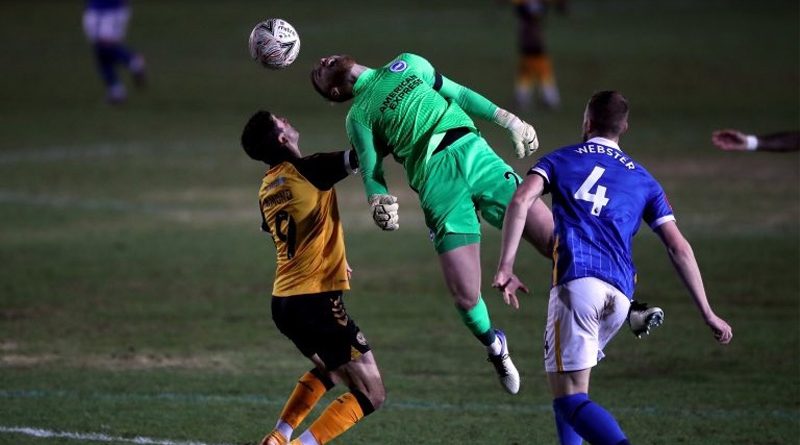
{"points": [[607, 112], [260, 138]]}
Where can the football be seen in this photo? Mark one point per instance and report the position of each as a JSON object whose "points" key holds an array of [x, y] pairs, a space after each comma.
{"points": [[274, 43]]}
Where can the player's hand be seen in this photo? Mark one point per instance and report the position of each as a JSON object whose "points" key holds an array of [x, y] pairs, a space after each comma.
{"points": [[348, 269], [729, 140], [722, 331], [508, 284], [523, 135], [384, 211]]}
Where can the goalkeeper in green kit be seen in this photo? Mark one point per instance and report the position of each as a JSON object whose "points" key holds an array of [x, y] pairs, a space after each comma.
{"points": [[422, 118]]}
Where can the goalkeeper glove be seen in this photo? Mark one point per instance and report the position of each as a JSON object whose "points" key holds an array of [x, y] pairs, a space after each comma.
{"points": [[384, 211], [522, 133]]}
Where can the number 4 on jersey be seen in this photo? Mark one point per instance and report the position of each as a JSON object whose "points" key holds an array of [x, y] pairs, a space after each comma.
{"points": [[598, 199]]}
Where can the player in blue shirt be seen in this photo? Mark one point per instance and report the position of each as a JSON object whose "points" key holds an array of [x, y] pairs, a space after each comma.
{"points": [[600, 195], [105, 23]]}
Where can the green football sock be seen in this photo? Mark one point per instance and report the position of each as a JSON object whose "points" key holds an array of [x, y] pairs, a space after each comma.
{"points": [[477, 321]]}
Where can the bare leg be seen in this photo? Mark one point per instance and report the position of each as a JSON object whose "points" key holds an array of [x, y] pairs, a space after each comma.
{"points": [[567, 383], [363, 375], [462, 274]]}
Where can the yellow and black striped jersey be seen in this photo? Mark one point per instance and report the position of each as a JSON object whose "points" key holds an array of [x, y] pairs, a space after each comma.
{"points": [[299, 210]]}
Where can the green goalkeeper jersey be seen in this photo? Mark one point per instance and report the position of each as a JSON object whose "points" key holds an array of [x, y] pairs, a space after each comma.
{"points": [[399, 109]]}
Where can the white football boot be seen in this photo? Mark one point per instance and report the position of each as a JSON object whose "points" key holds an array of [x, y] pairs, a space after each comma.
{"points": [[642, 318], [506, 371]]}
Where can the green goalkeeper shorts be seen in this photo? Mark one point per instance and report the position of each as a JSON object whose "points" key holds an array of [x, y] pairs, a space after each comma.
{"points": [[465, 180]]}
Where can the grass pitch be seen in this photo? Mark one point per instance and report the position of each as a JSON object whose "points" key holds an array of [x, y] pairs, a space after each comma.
{"points": [[134, 281]]}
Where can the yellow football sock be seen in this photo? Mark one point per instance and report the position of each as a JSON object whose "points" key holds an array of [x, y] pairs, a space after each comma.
{"points": [[526, 75], [337, 418], [306, 394], [542, 68]]}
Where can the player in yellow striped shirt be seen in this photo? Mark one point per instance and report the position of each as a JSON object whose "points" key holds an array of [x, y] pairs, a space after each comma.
{"points": [[535, 67], [299, 210]]}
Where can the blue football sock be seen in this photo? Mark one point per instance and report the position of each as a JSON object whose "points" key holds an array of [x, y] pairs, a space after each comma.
{"points": [[589, 419], [566, 434], [122, 54], [104, 55]]}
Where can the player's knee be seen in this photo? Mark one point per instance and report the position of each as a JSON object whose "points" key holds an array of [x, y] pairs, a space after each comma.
{"points": [[465, 295], [371, 400], [568, 406], [320, 375], [106, 42], [104, 51], [378, 396], [465, 301]]}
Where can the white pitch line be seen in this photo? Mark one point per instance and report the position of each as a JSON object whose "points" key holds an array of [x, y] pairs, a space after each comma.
{"points": [[412, 405], [11, 197], [107, 150], [55, 154], [95, 437]]}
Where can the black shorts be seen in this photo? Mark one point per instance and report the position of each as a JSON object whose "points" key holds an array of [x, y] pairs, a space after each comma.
{"points": [[319, 324]]}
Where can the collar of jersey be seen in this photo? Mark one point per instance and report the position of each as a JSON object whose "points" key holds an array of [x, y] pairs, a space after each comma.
{"points": [[362, 80], [604, 141]]}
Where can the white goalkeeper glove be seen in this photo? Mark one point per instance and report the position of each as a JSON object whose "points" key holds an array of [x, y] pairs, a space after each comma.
{"points": [[522, 133], [384, 211]]}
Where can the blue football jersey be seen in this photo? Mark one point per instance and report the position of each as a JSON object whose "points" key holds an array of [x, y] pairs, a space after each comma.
{"points": [[600, 196]]}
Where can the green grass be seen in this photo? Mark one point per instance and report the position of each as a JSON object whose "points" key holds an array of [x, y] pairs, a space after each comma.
{"points": [[134, 282]]}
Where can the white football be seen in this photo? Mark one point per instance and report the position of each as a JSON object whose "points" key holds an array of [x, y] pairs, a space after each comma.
{"points": [[274, 43]]}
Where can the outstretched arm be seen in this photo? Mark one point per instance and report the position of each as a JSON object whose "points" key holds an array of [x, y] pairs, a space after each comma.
{"points": [[470, 101], [383, 206], [682, 256], [734, 140], [786, 141], [370, 164], [324, 170], [522, 134], [513, 224]]}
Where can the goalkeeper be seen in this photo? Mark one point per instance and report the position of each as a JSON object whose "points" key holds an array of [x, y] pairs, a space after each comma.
{"points": [[422, 118]]}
